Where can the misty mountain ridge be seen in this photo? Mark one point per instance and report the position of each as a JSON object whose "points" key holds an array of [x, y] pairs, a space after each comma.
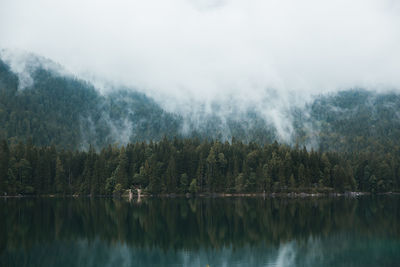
{"points": [[40, 101]]}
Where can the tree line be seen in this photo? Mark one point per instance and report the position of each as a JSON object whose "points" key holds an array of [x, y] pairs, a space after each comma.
{"points": [[192, 166]]}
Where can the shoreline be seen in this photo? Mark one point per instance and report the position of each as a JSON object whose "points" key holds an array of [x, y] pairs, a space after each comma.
{"points": [[215, 195]]}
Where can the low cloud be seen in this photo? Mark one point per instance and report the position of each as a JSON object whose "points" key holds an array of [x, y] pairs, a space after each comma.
{"points": [[193, 55]]}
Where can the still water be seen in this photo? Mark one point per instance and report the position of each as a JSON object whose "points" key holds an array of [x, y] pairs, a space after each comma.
{"points": [[199, 232]]}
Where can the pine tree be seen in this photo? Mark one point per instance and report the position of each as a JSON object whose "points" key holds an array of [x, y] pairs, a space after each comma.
{"points": [[373, 186], [60, 179], [184, 183], [339, 177], [155, 184], [281, 177], [267, 177], [239, 183], [193, 189], [4, 164], [121, 172], [201, 172], [301, 175], [171, 175], [211, 166], [24, 174], [292, 182]]}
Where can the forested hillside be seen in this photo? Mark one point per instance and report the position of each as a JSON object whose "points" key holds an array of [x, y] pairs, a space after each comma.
{"points": [[60, 135], [71, 113], [356, 120]]}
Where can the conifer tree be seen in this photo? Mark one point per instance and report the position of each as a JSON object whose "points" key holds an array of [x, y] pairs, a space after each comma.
{"points": [[171, 175], [4, 164], [184, 183], [121, 172], [60, 179]]}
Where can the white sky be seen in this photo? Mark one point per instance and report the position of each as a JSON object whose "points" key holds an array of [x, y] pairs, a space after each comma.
{"points": [[205, 50]]}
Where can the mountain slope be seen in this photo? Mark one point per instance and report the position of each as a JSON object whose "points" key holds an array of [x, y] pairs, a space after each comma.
{"points": [[356, 120], [70, 113]]}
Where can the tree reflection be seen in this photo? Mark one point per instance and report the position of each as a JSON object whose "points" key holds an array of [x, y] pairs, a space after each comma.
{"points": [[192, 223]]}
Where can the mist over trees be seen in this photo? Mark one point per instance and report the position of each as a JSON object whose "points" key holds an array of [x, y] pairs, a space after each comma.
{"points": [[60, 135], [70, 113]]}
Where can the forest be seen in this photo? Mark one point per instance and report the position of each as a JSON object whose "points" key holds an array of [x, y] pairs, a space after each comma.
{"points": [[180, 166], [71, 114], [59, 135]]}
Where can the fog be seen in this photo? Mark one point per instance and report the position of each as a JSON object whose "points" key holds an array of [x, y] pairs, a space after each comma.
{"points": [[190, 54]]}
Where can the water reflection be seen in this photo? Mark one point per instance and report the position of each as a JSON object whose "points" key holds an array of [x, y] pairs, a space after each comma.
{"points": [[196, 232]]}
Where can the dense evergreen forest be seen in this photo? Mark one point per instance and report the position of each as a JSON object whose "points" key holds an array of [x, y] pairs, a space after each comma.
{"points": [[71, 114], [190, 165], [354, 120], [60, 135]]}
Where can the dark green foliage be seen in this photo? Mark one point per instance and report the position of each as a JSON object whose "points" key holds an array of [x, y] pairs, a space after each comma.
{"points": [[121, 172], [357, 133], [4, 163], [187, 165], [60, 179], [352, 120], [193, 188], [118, 190], [70, 113]]}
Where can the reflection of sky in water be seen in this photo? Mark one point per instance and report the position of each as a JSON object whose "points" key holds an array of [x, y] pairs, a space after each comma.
{"points": [[333, 251]]}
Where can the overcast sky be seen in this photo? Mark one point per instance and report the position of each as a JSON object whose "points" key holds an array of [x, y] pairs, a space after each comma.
{"points": [[208, 49]]}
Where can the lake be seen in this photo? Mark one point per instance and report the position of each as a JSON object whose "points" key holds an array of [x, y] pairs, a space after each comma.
{"points": [[363, 231]]}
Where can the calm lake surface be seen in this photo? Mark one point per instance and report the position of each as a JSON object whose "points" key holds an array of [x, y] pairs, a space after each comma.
{"points": [[196, 232]]}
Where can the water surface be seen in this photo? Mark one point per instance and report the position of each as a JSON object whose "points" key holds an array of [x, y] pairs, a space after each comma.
{"points": [[196, 232]]}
